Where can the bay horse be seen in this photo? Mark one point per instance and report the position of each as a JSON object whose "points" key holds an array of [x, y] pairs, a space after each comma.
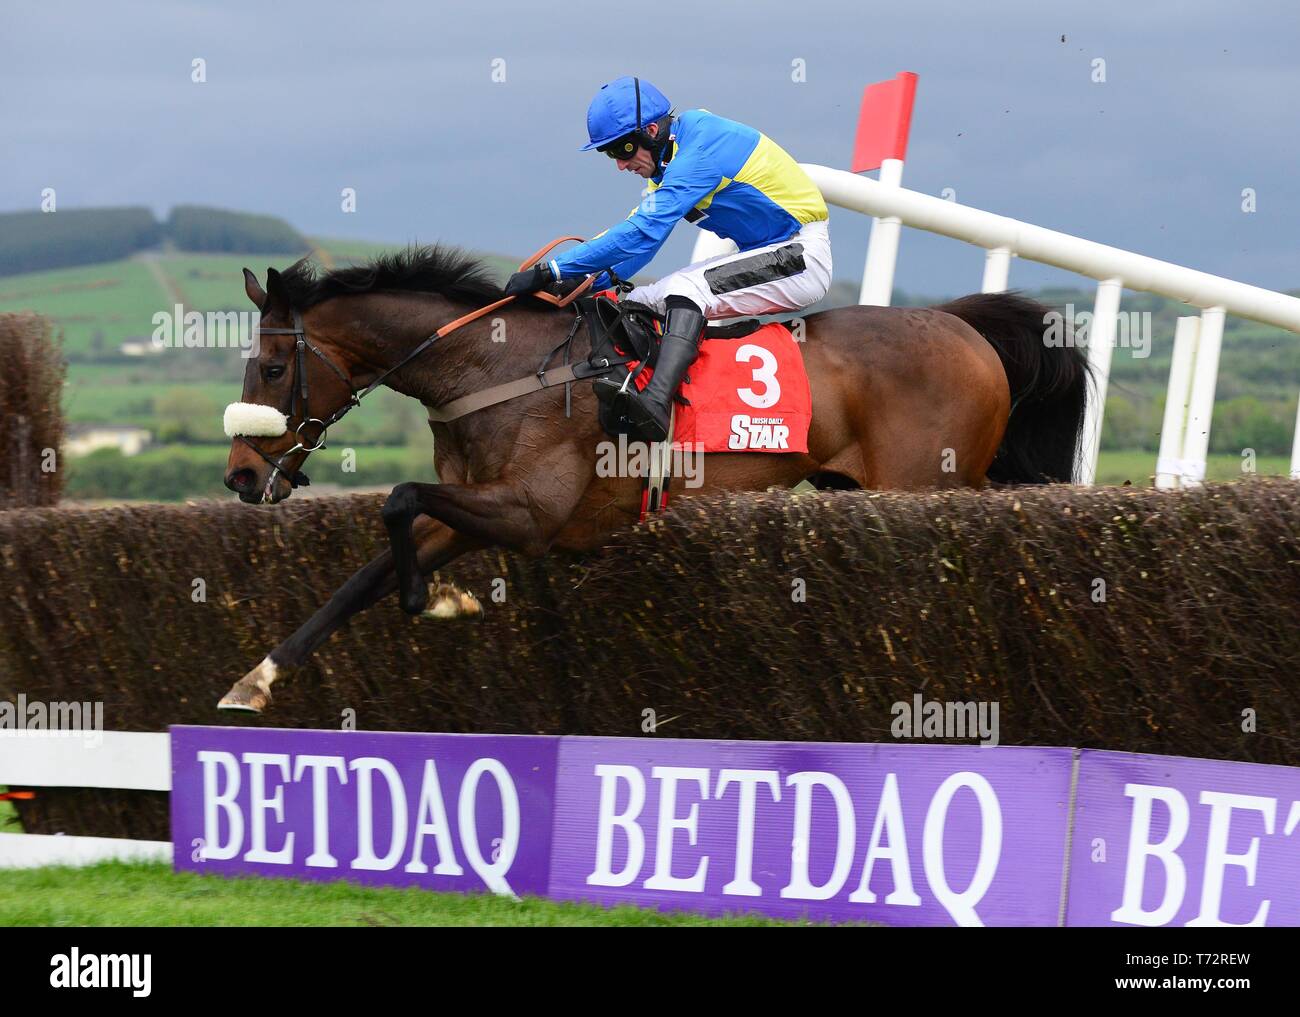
{"points": [[956, 395]]}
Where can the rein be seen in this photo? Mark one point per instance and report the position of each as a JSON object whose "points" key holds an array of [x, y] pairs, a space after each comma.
{"points": [[454, 409]]}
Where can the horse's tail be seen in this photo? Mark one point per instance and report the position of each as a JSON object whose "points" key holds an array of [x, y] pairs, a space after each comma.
{"points": [[1049, 388]]}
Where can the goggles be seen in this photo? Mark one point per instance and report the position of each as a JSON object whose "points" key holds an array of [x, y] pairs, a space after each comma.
{"points": [[622, 148]]}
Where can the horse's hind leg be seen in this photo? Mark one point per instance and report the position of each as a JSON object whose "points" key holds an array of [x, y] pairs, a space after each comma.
{"points": [[435, 546]]}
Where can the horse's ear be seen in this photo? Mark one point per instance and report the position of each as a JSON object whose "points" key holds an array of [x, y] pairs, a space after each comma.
{"points": [[254, 289], [277, 294]]}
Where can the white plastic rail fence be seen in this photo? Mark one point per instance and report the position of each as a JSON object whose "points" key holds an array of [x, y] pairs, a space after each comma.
{"points": [[107, 759]]}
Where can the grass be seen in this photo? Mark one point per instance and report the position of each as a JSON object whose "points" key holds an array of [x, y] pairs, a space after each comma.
{"points": [[117, 298], [209, 457], [135, 403], [151, 894], [8, 816], [178, 472], [215, 282], [1138, 467], [144, 397]]}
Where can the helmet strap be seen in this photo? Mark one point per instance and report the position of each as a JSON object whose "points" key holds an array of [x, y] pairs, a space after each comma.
{"points": [[655, 146]]}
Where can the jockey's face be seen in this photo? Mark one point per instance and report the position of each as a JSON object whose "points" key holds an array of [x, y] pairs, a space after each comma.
{"points": [[642, 163]]}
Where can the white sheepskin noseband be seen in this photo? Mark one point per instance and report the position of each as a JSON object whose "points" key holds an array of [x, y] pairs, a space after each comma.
{"points": [[254, 421]]}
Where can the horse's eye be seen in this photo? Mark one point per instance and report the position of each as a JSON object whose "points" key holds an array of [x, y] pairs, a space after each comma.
{"points": [[274, 371]]}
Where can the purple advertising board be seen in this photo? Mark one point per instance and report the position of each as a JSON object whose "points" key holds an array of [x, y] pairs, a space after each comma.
{"points": [[1166, 840], [444, 812], [901, 834]]}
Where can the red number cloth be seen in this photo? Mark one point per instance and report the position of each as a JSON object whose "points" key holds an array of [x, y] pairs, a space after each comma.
{"points": [[731, 389]]}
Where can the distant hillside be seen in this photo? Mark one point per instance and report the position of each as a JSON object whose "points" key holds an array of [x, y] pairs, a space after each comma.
{"points": [[194, 228], [37, 241]]}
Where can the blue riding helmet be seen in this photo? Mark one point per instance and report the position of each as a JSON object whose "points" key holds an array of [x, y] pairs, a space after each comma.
{"points": [[613, 113]]}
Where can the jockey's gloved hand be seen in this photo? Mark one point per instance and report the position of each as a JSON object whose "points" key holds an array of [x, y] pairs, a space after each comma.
{"points": [[566, 286], [530, 280]]}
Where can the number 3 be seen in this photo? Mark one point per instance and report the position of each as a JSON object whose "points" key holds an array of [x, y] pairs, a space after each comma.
{"points": [[765, 374]]}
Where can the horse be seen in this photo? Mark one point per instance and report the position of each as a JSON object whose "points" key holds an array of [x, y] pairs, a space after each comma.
{"points": [[959, 395]]}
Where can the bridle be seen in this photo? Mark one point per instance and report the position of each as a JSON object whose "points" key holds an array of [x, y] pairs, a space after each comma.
{"points": [[300, 394]]}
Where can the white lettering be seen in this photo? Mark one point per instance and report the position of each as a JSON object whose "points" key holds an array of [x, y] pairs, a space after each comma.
{"points": [[1166, 852], [742, 883], [494, 875], [1217, 858], [431, 818], [215, 801], [670, 823], [801, 886], [889, 814], [259, 804], [607, 820], [365, 768], [962, 905], [320, 856]]}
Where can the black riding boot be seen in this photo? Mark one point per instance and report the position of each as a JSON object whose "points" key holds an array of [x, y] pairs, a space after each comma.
{"points": [[648, 409]]}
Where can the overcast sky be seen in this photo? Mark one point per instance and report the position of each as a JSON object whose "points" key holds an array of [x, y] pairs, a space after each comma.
{"points": [[397, 100]]}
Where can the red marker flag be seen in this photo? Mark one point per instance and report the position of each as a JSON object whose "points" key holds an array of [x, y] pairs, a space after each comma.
{"points": [[884, 122]]}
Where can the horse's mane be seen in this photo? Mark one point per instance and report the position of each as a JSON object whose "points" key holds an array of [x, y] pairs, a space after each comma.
{"points": [[426, 269]]}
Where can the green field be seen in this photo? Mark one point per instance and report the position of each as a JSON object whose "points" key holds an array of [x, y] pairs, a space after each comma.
{"points": [[116, 299], [178, 472], [1138, 467], [215, 282], [97, 307], [179, 394], [135, 403], [119, 893]]}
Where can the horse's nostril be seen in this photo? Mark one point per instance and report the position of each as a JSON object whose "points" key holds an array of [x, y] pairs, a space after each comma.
{"points": [[241, 480]]}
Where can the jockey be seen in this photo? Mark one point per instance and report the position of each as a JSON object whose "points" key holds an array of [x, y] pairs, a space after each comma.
{"points": [[725, 177]]}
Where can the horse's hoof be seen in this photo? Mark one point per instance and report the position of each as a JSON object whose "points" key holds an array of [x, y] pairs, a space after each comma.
{"points": [[245, 696], [449, 602], [414, 607]]}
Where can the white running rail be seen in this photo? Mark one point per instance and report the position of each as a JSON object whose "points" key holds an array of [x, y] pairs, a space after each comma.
{"points": [[96, 759]]}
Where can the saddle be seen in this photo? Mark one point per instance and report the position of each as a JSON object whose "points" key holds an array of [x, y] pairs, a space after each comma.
{"points": [[625, 330]]}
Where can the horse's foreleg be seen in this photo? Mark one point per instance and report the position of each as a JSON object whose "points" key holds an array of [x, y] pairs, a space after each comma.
{"points": [[435, 545], [498, 513]]}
